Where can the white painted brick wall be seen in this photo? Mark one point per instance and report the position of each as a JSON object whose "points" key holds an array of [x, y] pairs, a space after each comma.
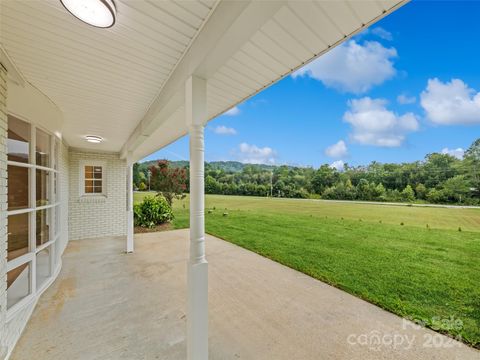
{"points": [[3, 211], [91, 217]]}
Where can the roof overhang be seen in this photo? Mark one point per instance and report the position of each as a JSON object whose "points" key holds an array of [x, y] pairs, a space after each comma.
{"points": [[129, 87]]}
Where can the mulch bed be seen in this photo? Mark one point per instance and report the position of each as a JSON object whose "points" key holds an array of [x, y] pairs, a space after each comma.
{"points": [[162, 227]]}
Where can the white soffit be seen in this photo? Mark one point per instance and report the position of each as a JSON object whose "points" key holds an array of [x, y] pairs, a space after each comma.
{"points": [[265, 42], [126, 83], [103, 80]]}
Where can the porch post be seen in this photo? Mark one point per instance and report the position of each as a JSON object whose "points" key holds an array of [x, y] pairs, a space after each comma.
{"points": [[129, 248], [197, 311]]}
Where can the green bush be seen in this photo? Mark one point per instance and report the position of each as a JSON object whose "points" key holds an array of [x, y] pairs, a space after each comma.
{"points": [[153, 210]]}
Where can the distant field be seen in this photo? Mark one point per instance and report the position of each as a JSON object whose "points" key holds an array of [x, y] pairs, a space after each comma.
{"points": [[435, 218], [414, 271]]}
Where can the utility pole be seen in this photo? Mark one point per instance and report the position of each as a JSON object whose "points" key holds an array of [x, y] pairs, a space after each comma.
{"points": [[271, 184]]}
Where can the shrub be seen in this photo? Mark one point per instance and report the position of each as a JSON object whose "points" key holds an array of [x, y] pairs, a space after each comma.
{"points": [[152, 211]]}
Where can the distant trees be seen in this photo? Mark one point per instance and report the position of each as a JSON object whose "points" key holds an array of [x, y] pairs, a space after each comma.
{"points": [[439, 178]]}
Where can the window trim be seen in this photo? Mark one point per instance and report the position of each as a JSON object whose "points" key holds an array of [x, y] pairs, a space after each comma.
{"points": [[52, 209], [81, 182]]}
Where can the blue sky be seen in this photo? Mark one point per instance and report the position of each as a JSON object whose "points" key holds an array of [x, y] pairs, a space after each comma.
{"points": [[407, 86]]}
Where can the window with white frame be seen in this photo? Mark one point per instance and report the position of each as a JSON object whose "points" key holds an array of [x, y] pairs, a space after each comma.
{"points": [[92, 178], [32, 207]]}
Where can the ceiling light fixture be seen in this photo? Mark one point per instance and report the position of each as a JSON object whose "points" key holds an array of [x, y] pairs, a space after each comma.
{"points": [[93, 139], [98, 13]]}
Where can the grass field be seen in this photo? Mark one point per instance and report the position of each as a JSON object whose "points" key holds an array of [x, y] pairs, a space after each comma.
{"points": [[429, 274]]}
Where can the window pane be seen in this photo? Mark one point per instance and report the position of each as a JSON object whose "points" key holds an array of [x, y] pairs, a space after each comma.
{"points": [[97, 183], [88, 189], [43, 227], [89, 183], [18, 284], [98, 190], [42, 177], [18, 142], [17, 235], [98, 175], [43, 266], [97, 169], [88, 172], [42, 148], [17, 187]]}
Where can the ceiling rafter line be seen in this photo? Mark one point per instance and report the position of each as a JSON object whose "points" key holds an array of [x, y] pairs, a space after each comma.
{"points": [[225, 87], [306, 30], [271, 59], [278, 44], [255, 40], [380, 5], [299, 42], [254, 61], [236, 84], [294, 11], [225, 97], [242, 74], [354, 12], [243, 68], [328, 17]]}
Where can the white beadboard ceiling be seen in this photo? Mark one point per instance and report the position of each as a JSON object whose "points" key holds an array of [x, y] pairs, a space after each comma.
{"points": [[126, 83]]}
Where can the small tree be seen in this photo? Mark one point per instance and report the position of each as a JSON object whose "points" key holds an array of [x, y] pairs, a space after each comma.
{"points": [[421, 191], [169, 182], [408, 194]]}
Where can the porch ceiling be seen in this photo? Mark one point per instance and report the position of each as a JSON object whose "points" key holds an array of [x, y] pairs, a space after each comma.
{"points": [[126, 83]]}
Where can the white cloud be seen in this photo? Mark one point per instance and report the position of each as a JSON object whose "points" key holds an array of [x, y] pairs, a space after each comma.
{"points": [[353, 67], [382, 33], [232, 112], [374, 124], [253, 154], [224, 130], [337, 165], [458, 153], [337, 150], [451, 103], [405, 99]]}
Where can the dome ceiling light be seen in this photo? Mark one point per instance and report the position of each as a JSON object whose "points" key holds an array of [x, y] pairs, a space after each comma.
{"points": [[98, 13], [93, 139]]}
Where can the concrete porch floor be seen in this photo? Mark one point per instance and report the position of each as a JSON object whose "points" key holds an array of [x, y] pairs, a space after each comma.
{"points": [[109, 305]]}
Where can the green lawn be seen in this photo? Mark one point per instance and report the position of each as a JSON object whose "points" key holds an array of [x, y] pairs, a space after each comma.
{"points": [[411, 270]]}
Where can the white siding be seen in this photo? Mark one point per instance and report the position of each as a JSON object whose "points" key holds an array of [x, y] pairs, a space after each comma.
{"points": [[3, 211], [91, 217]]}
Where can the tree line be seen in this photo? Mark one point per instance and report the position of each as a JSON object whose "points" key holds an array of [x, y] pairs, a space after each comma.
{"points": [[438, 178]]}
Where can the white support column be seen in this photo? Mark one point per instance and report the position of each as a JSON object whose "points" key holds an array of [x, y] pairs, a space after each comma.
{"points": [[197, 312], [130, 244]]}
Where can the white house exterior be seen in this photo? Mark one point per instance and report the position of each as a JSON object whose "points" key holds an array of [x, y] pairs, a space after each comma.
{"points": [[163, 70]]}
